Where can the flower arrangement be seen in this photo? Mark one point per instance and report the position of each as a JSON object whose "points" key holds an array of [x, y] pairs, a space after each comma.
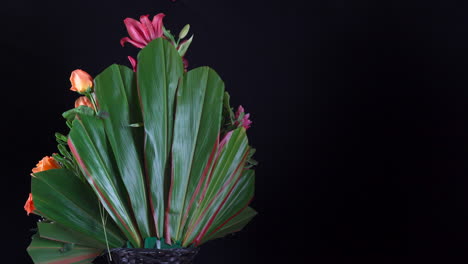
{"points": [[155, 158]]}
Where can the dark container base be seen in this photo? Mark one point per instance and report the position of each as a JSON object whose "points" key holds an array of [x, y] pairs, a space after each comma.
{"points": [[148, 256]]}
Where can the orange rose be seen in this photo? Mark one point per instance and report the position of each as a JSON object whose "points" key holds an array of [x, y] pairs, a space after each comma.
{"points": [[83, 100], [29, 206], [47, 163], [81, 81]]}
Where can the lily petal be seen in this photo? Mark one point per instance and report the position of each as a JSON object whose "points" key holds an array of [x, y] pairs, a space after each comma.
{"points": [[134, 43], [135, 30], [158, 25], [133, 62], [149, 27]]}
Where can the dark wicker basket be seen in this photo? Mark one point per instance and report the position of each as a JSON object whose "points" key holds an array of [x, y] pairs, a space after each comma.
{"points": [[148, 256]]}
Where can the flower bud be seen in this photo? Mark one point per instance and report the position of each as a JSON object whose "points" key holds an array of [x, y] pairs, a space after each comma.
{"points": [[29, 206], [242, 119], [81, 81], [183, 33], [47, 163], [83, 100]]}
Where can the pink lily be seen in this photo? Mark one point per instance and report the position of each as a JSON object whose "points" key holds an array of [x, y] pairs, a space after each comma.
{"points": [[242, 119], [144, 31]]}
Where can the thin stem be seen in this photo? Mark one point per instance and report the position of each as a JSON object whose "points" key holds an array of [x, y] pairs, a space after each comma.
{"points": [[91, 98], [101, 211]]}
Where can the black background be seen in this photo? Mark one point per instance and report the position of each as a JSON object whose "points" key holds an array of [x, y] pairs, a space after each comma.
{"points": [[360, 112]]}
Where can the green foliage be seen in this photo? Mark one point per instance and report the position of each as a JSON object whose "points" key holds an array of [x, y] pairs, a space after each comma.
{"points": [[61, 197], [89, 144], [235, 224], [118, 97], [71, 114], [196, 129], [159, 70], [227, 116], [225, 173], [65, 158], [45, 251], [161, 159], [57, 232], [183, 48]]}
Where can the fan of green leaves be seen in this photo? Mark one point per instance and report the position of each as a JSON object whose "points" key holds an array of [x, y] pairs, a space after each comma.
{"points": [[161, 163]]}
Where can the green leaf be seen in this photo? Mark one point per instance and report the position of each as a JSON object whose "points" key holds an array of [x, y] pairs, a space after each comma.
{"points": [[44, 251], [235, 224], [83, 110], [237, 201], [196, 129], [61, 197], [117, 96], [61, 138], [89, 145], [64, 151], [228, 115], [64, 162], [57, 232], [159, 70], [225, 174]]}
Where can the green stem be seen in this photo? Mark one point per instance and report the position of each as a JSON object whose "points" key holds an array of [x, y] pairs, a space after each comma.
{"points": [[91, 98]]}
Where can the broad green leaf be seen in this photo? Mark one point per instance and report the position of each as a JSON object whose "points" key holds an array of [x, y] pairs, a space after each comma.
{"points": [[238, 200], [219, 185], [88, 143], [44, 251], [159, 70], [118, 97], [235, 224], [61, 197], [57, 232], [196, 129]]}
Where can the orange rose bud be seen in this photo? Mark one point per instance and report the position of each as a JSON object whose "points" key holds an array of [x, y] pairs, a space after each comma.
{"points": [[47, 163], [81, 81], [83, 100], [29, 206]]}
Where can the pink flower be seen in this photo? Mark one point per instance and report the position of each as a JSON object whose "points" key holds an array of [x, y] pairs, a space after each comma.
{"points": [[144, 31], [133, 61], [242, 119]]}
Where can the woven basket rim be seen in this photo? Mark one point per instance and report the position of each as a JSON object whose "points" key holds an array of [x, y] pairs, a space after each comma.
{"points": [[151, 255], [187, 249]]}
